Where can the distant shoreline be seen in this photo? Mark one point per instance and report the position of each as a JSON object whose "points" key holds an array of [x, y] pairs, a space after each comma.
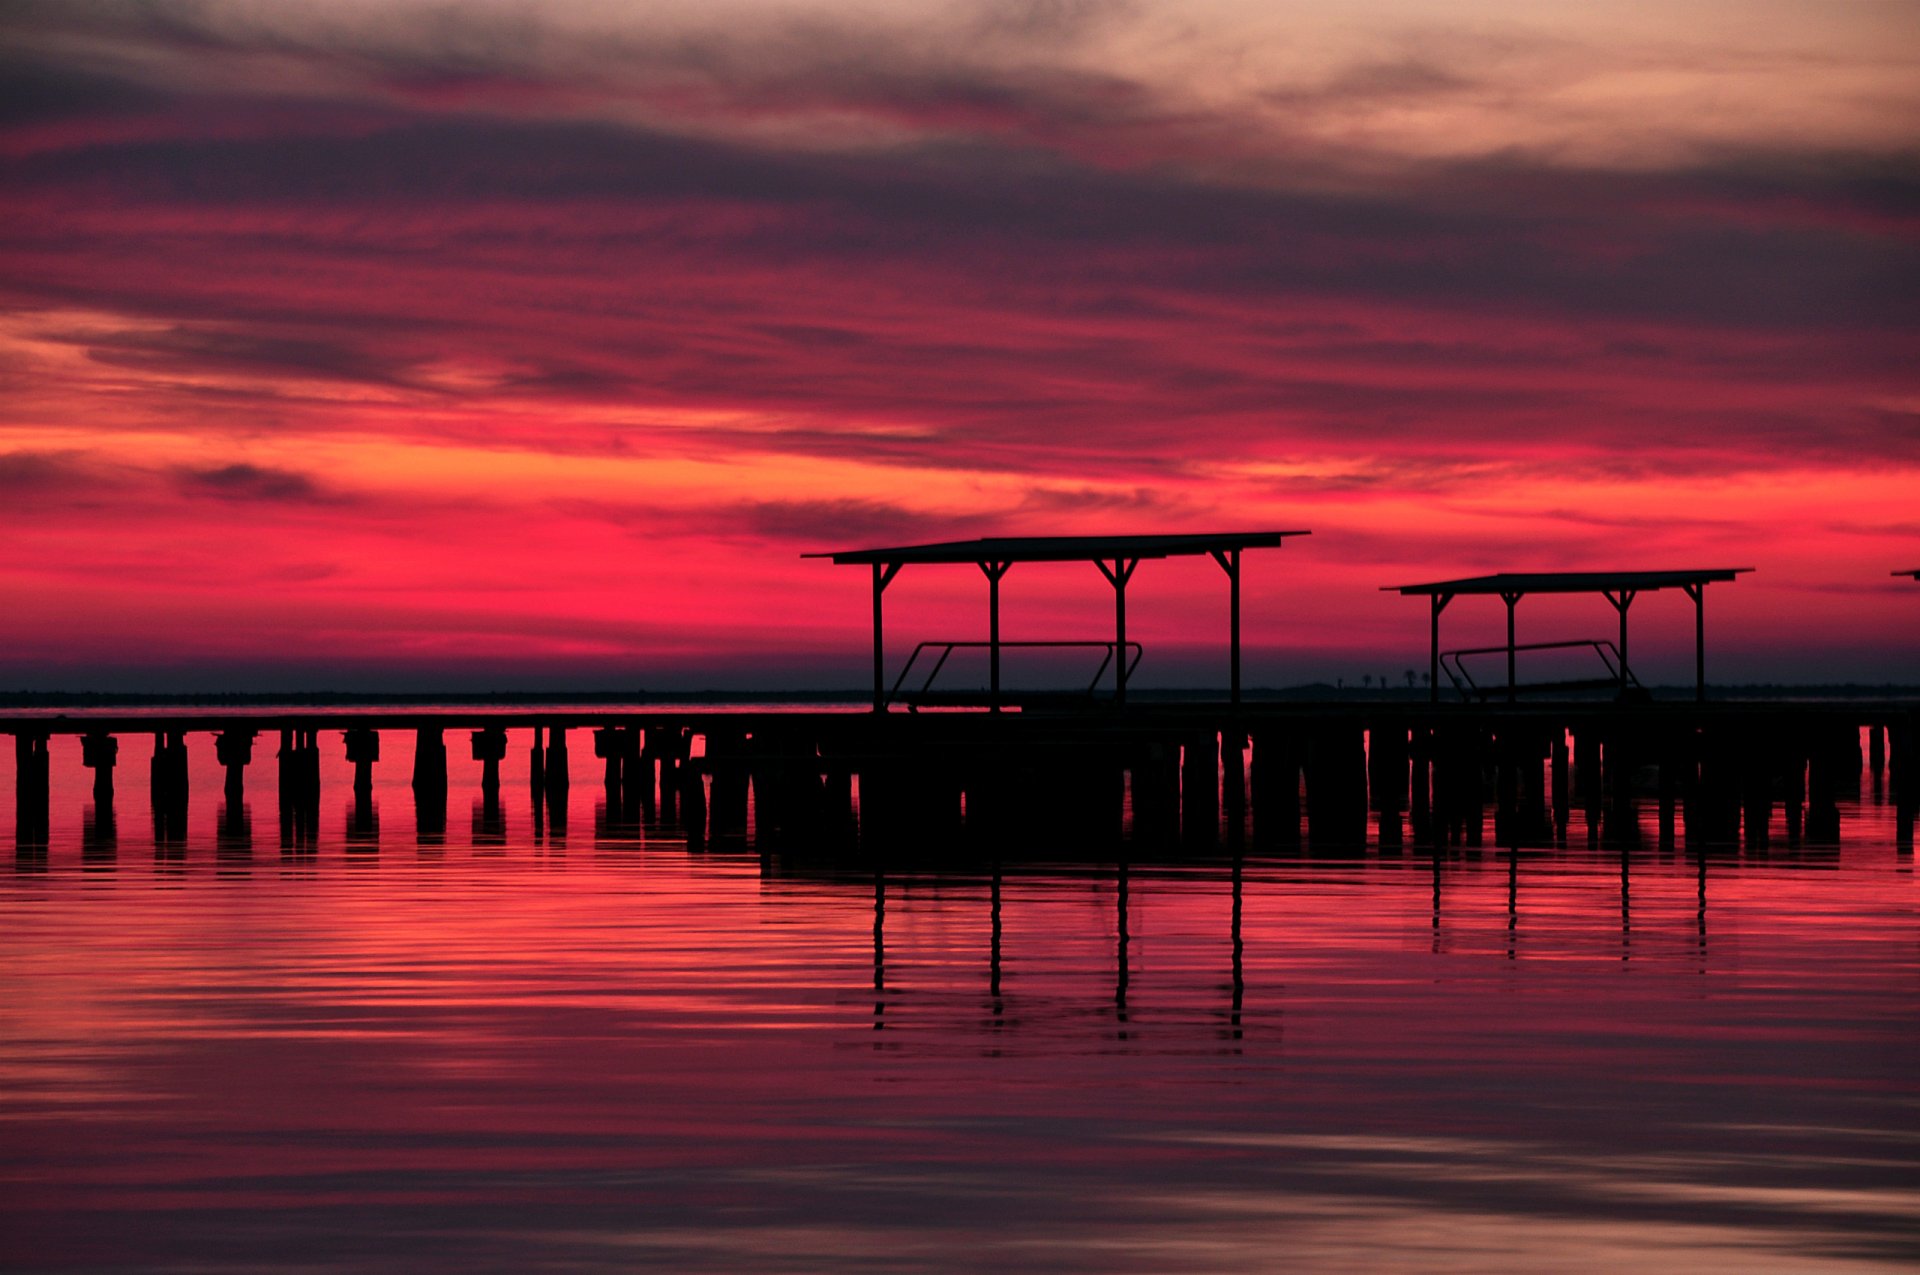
{"points": [[1314, 692]]}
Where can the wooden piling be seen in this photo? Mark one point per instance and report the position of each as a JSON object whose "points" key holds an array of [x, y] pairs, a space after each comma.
{"points": [[1200, 790], [1277, 757], [99, 752], [363, 749]]}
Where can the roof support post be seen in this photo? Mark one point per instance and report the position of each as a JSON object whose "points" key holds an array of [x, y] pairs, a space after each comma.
{"points": [[883, 574], [1439, 601], [1118, 575], [1698, 592], [1621, 601], [1512, 600], [993, 570], [1229, 560]]}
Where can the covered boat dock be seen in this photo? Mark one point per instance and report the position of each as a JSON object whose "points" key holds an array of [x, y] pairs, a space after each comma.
{"points": [[1116, 556], [1619, 587]]}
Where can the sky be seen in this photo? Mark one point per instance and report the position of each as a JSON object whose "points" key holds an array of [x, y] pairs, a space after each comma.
{"points": [[400, 345]]}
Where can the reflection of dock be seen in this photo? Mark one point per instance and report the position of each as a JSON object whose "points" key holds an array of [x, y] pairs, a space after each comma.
{"points": [[1187, 777]]}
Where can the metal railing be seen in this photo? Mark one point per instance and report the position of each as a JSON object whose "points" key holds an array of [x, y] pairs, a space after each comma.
{"points": [[1618, 677], [947, 649]]}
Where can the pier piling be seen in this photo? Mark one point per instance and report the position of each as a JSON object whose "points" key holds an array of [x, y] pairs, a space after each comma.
{"points": [[99, 752]]}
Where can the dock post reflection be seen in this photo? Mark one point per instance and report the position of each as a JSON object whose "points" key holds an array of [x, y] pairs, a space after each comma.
{"points": [[1120, 953], [879, 949], [1626, 902], [430, 786], [1238, 986], [996, 1007], [1513, 902], [99, 834], [234, 834], [489, 820]]}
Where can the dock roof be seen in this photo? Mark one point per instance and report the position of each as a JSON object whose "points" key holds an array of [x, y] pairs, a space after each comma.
{"points": [[1062, 548], [1570, 582]]}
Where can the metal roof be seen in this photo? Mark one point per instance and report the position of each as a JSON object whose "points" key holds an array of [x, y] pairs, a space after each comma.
{"points": [[1062, 548], [1571, 581]]}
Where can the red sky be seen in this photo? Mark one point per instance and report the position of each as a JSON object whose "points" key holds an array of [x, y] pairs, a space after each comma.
{"points": [[404, 345]]}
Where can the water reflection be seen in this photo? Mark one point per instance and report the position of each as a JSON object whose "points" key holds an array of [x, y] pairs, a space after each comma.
{"points": [[712, 1061]]}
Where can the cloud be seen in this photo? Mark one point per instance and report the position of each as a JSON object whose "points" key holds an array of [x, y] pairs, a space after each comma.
{"points": [[242, 481]]}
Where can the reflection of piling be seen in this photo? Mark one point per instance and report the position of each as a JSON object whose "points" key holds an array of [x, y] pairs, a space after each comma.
{"points": [[1560, 763], [99, 835]]}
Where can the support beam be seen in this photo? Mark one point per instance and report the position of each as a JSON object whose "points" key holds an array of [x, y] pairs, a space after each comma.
{"points": [[1698, 592], [1229, 560], [1512, 600], [993, 571], [883, 574], [1117, 575], [1621, 601], [1439, 601]]}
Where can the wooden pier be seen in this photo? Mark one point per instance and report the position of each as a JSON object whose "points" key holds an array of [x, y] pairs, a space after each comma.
{"points": [[1048, 782]]}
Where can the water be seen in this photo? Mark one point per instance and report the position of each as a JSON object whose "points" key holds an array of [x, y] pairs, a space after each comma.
{"points": [[497, 1051]]}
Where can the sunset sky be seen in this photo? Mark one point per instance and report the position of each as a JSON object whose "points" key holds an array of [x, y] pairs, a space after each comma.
{"points": [[382, 344]]}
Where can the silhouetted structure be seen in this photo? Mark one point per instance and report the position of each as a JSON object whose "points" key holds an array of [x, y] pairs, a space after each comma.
{"points": [[1116, 556], [1620, 588]]}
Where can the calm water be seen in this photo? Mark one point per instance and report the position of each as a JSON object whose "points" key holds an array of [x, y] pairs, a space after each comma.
{"points": [[499, 1051]]}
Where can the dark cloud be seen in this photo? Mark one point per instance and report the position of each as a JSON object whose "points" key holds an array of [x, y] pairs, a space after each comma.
{"points": [[36, 92], [245, 482], [187, 349]]}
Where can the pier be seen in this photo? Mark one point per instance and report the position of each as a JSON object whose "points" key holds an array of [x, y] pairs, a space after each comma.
{"points": [[1165, 778], [1087, 771]]}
